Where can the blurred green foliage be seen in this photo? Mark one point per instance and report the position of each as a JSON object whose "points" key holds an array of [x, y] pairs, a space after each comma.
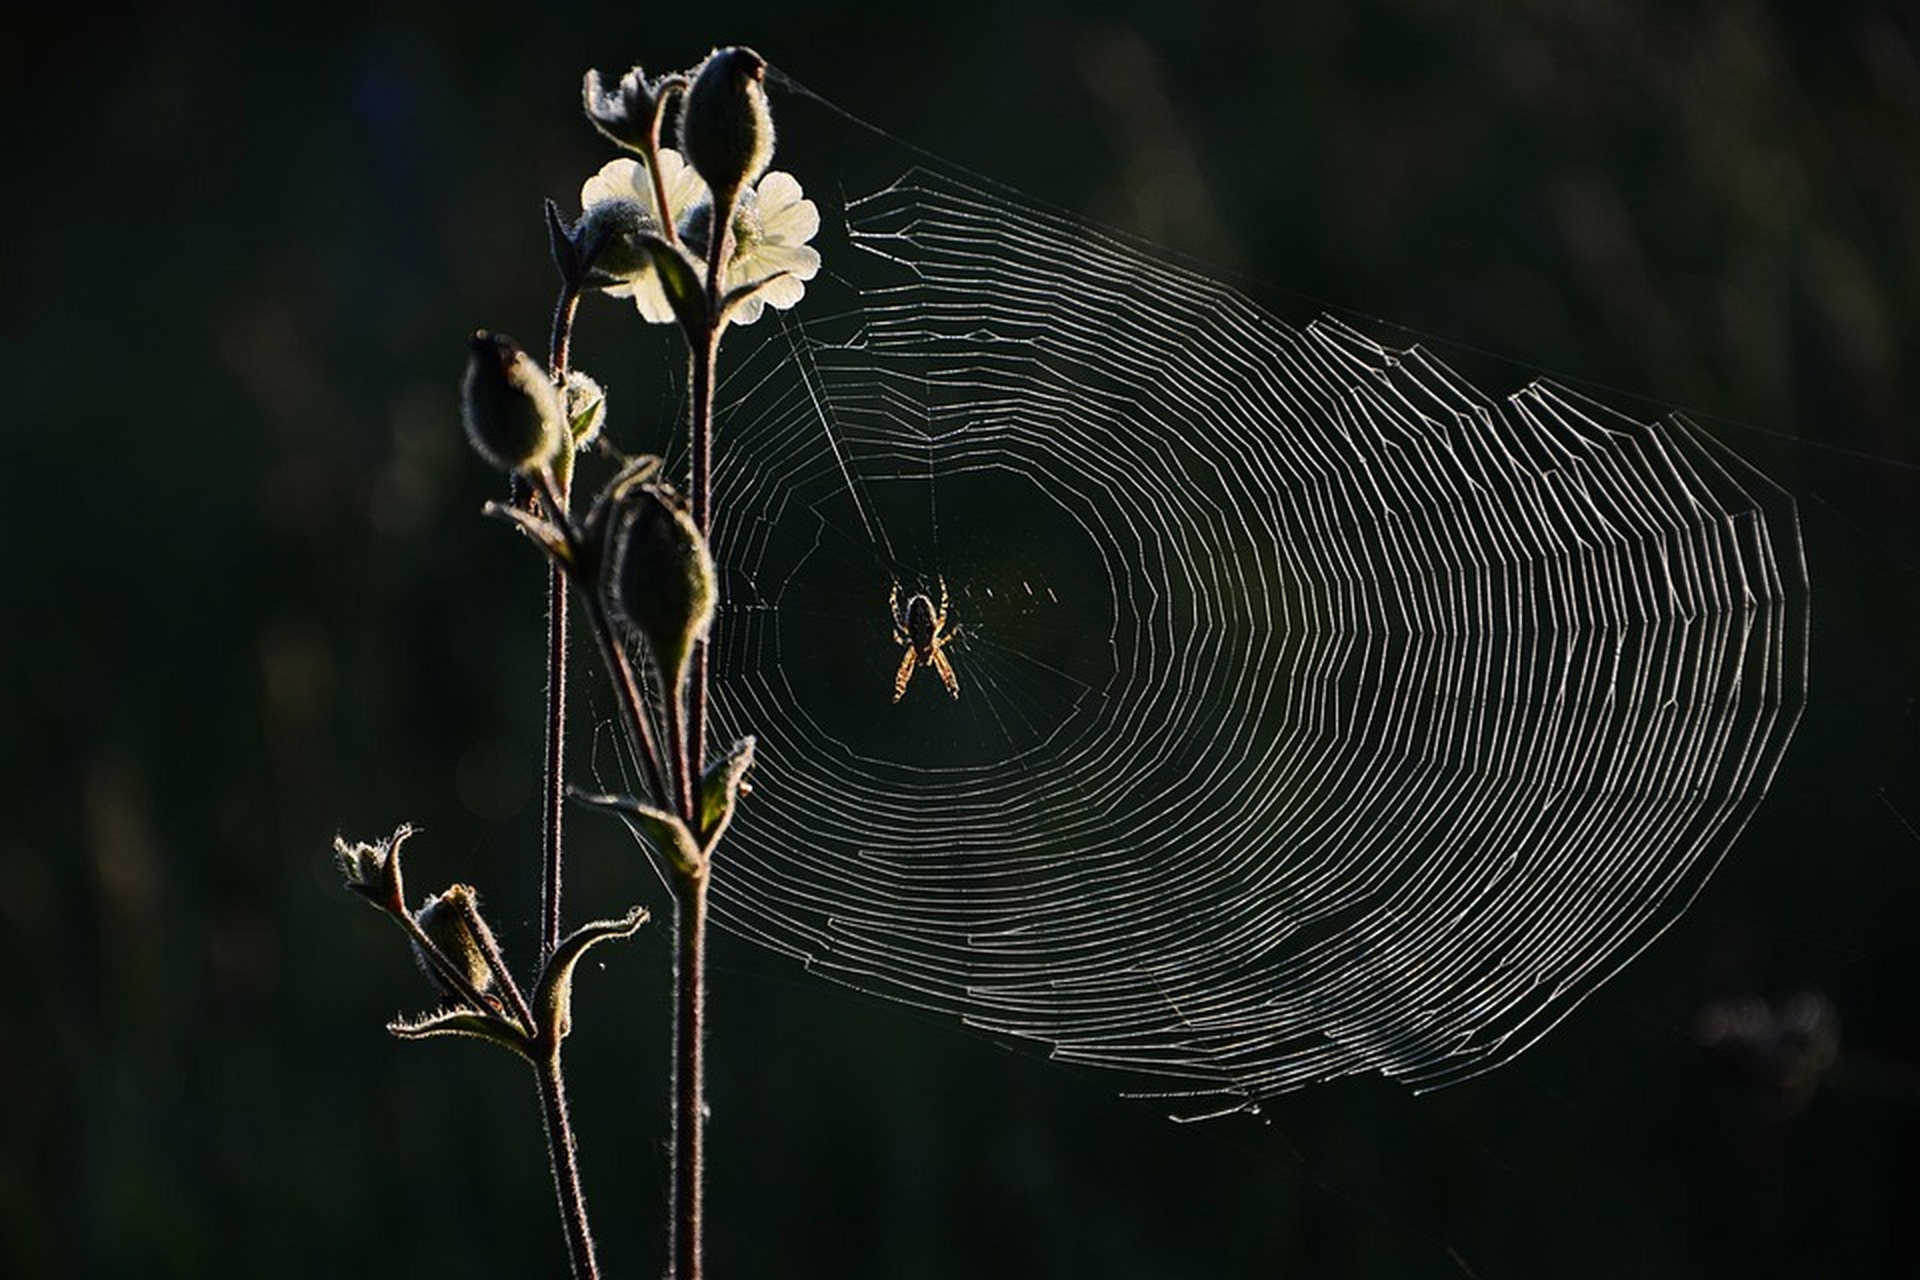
{"points": [[250, 603]]}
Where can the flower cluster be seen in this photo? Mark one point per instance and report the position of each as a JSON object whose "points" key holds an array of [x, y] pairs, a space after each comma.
{"points": [[772, 224]]}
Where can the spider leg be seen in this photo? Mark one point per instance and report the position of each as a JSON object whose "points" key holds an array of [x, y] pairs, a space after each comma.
{"points": [[893, 603], [945, 668], [943, 598], [905, 673]]}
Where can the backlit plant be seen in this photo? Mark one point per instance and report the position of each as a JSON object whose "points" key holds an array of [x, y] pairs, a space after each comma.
{"points": [[701, 237]]}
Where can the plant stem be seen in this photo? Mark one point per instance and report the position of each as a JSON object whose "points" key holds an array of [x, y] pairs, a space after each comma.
{"points": [[566, 1173], [626, 687], [690, 903], [553, 780], [684, 777], [559, 350], [706, 345], [660, 206], [704, 353], [689, 1082]]}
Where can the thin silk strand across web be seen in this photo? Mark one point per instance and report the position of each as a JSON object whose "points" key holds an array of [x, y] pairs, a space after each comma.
{"points": [[1318, 714]]}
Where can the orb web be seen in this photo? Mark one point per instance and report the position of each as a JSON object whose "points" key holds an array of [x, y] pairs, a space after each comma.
{"points": [[1319, 714]]}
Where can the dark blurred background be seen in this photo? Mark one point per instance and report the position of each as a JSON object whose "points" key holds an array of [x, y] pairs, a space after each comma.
{"points": [[250, 603]]}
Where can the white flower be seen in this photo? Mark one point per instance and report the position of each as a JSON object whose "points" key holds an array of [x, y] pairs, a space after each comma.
{"points": [[623, 192], [771, 227], [772, 224]]}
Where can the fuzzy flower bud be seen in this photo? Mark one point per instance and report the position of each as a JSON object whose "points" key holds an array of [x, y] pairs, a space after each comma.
{"points": [[609, 238], [513, 413], [662, 581], [726, 127], [451, 920], [627, 113], [373, 870]]}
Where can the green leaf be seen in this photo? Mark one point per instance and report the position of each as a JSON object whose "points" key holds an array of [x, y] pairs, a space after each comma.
{"points": [[720, 790], [553, 997], [682, 279], [462, 1022], [663, 831]]}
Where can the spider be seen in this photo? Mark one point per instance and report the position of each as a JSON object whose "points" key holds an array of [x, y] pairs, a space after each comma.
{"points": [[923, 629]]}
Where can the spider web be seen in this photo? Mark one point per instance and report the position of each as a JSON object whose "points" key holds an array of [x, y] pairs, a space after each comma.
{"points": [[1319, 714]]}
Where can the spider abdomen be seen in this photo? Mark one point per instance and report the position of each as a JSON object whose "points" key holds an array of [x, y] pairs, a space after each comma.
{"points": [[922, 623]]}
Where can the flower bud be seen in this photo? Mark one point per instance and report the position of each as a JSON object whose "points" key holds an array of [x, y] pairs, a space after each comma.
{"points": [[451, 920], [662, 581], [626, 113], [373, 870], [726, 127], [513, 413], [608, 241], [586, 408]]}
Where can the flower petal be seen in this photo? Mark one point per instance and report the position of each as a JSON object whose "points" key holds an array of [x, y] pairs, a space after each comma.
{"points": [[795, 223], [777, 190], [683, 186], [747, 310], [782, 292], [798, 261], [650, 298], [621, 179]]}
